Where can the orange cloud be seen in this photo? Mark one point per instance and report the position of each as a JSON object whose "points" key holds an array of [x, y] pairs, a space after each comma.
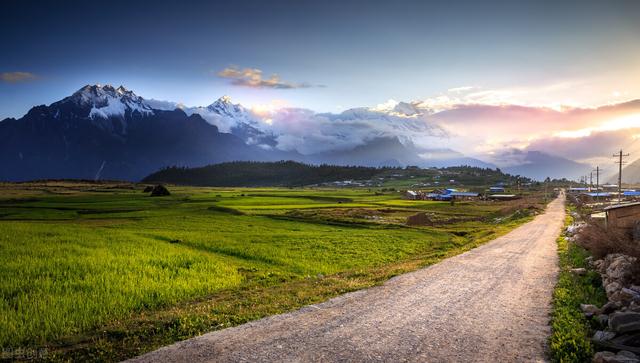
{"points": [[252, 77], [15, 77]]}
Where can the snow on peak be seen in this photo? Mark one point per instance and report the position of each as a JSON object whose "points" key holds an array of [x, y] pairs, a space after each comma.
{"points": [[224, 107], [224, 99], [106, 101], [393, 107]]}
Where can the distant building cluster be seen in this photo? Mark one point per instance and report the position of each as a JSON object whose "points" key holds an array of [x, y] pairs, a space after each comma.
{"points": [[607, 192], [451, 194], [351, 183]]}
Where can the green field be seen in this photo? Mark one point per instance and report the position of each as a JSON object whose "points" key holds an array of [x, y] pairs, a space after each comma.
{"points": [[105, 272]]}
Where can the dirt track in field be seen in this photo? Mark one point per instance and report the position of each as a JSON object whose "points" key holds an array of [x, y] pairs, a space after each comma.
{"points": [[490, 304]]}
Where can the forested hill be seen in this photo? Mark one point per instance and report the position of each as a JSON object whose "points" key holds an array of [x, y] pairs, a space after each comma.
{"points": [[248, 173]]}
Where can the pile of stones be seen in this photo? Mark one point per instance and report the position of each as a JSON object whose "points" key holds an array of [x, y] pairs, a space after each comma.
{"points": [[619, 318]]}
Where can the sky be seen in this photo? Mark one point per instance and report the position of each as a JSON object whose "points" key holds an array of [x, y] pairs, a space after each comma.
{"points": [[553, 58]]}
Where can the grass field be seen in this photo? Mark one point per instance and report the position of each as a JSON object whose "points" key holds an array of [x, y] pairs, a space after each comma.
{"points": [[104, 272], [570, 340]]}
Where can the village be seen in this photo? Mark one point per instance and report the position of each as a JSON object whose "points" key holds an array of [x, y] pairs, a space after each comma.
{"points": [[496, 192], [610, 206]]}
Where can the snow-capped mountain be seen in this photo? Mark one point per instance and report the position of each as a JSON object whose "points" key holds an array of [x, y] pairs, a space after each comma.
{"points": [[237, 120], [103, 102], [228, 117], [106, 132], [102, 105], [107, 101]]}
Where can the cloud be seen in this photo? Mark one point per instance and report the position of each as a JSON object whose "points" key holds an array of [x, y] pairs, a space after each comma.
{"points": [[462, 89], [308, 132], [252, 77], [477, 129], [15, 77], [164, 105], [596, 148], [464, 119]]}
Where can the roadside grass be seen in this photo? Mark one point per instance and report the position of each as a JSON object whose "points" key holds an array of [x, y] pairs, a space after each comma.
{"points": [[570, 340], [259, 297], [109, 274]]}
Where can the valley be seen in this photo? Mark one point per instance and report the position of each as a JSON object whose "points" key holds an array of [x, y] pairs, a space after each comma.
{"points": [[114, 272]]}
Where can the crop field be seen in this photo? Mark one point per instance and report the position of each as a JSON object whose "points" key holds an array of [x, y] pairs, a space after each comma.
{"points": [[105, 272]]}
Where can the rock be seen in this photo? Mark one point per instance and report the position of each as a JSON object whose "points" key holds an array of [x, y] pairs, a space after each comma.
{"points": [[589, 309], [602, 319], [628, 295], [603, 357], [629, 355], [634, 306], [160, 191], [635, 288], [610, 307], [612, 288], [581, 271], [609, 357], [622, 322], [574, 228], [619, 267], [629, 341], [603, 336]]}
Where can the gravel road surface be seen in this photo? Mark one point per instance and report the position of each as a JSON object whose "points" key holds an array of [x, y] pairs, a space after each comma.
{"points": [[490, 304]]}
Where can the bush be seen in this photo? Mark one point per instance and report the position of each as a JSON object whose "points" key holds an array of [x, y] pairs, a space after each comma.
{"points": [[601, 242]]}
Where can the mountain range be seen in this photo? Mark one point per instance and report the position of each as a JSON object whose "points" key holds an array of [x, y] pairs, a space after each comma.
{"points": [[103, 132]]}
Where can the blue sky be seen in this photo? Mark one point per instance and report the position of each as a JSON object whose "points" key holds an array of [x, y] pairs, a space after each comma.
{"points": [[362, 53]]}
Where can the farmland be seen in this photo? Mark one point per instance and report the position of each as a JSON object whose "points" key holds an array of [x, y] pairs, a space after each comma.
{"points": [[104, 272]]}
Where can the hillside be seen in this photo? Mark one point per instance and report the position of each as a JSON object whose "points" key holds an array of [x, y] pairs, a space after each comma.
{"points": [[292, 173], [630, 174], [248, 173], [540, 165]]}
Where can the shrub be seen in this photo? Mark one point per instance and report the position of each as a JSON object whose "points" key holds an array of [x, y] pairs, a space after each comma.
{"points": [[601, 242]]}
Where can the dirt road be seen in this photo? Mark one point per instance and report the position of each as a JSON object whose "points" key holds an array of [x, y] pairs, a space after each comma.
{"points": [[490, 304]]}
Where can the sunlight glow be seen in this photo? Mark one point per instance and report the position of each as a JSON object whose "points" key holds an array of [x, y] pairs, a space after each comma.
{"points": [[267, 109], [622, 123]]}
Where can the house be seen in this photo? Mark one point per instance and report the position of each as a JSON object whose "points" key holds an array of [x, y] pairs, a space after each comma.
{"points": [[589, 197], [577, 190], [623, 216], [503, 196], [412, 195], [449, 194], [464, 195], [496, 189], [613, 187]]}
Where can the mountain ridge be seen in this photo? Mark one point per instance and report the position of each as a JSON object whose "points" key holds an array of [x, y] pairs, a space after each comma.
{"points": [[101, 131]]}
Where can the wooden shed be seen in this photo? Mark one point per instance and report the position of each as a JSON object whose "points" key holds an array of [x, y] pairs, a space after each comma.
{"points": [[623, 216]]}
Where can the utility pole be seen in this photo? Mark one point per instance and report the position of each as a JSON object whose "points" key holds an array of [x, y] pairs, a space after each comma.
{"points": [[620, 162], [590, 181], [597, 181], [545, 189]]}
